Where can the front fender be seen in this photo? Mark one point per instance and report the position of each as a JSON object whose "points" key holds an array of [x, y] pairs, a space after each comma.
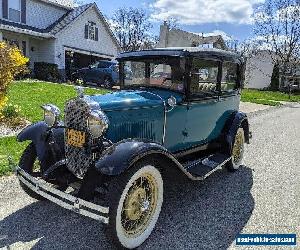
{"points": [[49, 142], [117, 158]]}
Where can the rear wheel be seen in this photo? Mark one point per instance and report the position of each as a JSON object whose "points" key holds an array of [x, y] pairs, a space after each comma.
{"points": [[108, 83], [135, 203], [237, 151], [30, 164]]}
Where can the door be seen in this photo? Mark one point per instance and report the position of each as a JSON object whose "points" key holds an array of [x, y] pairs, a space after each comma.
{"points": [[215, 95], [204, 111]]}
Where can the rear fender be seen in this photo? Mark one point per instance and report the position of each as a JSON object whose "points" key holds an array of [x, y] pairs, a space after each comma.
{"points": [[237, 120]]}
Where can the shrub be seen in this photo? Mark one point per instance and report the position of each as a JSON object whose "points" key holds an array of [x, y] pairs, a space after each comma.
{"points": [[12, 63], [46, 71], [11, 111], [275, 79]]}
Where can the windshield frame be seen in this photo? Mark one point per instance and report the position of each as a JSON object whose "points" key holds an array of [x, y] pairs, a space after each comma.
{"points": [[148, 59]]}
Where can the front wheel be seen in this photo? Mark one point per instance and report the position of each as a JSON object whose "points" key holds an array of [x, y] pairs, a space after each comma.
{"points": [[237, 151], [135, 203]]}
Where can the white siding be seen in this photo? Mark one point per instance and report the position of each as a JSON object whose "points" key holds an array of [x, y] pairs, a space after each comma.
{"points": [[41, 15], [73, 36], [259, 69], [41, 51]]}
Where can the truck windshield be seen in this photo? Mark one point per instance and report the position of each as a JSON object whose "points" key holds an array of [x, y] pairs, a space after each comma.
{"points": [[163, 73]]}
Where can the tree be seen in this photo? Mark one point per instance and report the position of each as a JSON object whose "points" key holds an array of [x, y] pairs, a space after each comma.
{"points": [[277, 28], [131, 27]]}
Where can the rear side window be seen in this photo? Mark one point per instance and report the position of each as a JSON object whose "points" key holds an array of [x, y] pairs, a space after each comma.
{"points": [[204, 77], [229, 81]]}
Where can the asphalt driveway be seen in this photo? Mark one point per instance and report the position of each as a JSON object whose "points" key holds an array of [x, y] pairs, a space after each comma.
{"points": [[262, 197]]}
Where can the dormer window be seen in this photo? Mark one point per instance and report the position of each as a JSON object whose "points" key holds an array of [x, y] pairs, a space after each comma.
{"points": [[91, 31], [14, 10]]}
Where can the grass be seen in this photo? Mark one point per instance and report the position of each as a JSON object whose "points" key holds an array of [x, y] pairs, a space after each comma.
{"points": [[272, 98], [30, 95], [9, 147]]}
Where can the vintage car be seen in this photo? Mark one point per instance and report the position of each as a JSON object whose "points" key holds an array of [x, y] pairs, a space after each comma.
{"points": [[177, 113]]}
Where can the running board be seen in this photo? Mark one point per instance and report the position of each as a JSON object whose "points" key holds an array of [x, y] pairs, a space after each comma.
{"points": [[202, 168]]}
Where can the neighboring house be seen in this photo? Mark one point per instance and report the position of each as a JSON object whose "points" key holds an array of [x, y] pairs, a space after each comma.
{"points": [[180, 38], [259, 70], [54, 31]]}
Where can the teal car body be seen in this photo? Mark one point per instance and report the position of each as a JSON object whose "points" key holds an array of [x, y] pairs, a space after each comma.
{"points": [[175, 109]]}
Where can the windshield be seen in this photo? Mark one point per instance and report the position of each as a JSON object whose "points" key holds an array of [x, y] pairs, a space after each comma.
{"points": [[163, 73], [101, 65]]}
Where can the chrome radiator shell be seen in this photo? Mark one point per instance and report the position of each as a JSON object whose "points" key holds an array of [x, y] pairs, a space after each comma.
{"points": [[78, 160]]}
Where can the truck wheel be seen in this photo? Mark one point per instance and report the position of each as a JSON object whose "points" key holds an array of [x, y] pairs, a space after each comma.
{"points": [[237, 151], [108, 83], [135, 203], [28, 162]]}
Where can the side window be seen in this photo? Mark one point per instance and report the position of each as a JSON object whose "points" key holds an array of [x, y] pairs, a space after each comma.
{"points": [[229, 81], [204, 77]]}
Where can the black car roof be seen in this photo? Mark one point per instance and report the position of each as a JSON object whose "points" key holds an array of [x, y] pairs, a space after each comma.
{"points": [[204, 53]]}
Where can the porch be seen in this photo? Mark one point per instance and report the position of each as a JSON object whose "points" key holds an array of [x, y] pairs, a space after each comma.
{"points": [[36, 48]]}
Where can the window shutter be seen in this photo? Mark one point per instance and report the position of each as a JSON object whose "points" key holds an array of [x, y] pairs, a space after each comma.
{"points": [[23, 11], [96, 34], [86, 32], [5, 9]]}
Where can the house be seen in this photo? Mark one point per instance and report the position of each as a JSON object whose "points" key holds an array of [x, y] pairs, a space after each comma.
{"points": [[180, 38], [259, 70], [56, 31]]}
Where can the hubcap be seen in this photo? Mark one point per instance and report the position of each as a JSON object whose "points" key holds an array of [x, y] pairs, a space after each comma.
{"points": [[238, 147], [139, 205]]}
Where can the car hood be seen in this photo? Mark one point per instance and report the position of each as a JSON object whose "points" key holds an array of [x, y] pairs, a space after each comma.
{"points": [[127, 100]]}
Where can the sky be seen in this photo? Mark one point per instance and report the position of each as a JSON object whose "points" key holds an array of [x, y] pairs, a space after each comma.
{"points": [[230, 18]]}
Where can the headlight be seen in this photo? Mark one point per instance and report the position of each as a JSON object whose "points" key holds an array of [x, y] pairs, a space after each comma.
{"points": [[97, 123], [51, 114]]}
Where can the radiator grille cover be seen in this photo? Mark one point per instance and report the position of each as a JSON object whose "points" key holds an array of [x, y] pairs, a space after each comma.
{"points": [[76, 115]]}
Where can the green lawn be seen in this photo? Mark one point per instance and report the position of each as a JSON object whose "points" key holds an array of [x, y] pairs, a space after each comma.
{"points": [[30, 95], [9, 147], [272, 98]]}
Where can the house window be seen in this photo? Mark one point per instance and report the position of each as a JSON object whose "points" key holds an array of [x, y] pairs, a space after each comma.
{"points": [[14, 10], [91, 31]]}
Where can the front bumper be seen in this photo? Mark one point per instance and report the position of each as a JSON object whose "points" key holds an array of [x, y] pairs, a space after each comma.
{"points": [[63, 199]]}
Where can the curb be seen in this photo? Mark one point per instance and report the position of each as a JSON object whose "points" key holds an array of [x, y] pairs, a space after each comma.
{"points": [[272, 108]]}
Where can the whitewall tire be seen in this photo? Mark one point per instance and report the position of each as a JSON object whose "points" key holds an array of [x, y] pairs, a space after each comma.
{"points": [[137, 198]]}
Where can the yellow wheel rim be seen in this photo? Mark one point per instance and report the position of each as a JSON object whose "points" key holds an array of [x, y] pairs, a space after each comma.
{"points": [[139, 205], [238, 147]]}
